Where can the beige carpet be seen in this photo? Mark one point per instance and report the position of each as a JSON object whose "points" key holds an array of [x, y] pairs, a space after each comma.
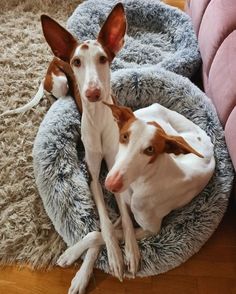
{"points": [[26, 233]]}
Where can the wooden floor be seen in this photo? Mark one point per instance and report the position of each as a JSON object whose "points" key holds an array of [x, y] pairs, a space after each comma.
{"points": [[176, 3], [211, 271]]}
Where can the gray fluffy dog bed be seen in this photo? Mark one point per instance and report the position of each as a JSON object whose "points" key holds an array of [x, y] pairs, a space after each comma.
{"points": [[157, 34], [58, 153]]}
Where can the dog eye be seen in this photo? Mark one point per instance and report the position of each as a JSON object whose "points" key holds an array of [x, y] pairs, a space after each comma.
{"points": [[149, 151], [77, 62], [102, 59], [124, 138]]}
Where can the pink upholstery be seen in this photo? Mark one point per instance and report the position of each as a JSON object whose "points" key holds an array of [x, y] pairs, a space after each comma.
{"points": [[222, 78], [218, 21], [196, 9], [214, 22], [230, 135]]}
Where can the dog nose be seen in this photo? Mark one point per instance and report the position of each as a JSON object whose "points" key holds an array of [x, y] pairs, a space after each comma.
{"points": [[114, 183], [93, 94]]}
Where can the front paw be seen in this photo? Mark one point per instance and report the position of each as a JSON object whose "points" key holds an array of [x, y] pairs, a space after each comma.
{"points": [[79, 282], [68, 257], [132, 255], [115, 257]]}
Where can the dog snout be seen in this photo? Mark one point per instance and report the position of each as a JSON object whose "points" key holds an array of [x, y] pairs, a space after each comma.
{"points": [[114, 183], [93, 94]]}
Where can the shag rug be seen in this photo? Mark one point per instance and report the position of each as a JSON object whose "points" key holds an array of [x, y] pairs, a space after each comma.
{"points": [[159, 45], [26, 233]]}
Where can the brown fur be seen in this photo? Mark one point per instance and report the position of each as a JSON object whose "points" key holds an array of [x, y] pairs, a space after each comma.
{"points": [[109, 41], [61, 63], [52, 69], [169, 144], [61, 67], [123, 115]]}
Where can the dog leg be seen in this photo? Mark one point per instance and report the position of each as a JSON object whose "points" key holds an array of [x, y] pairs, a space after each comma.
{"points": [[75, 251], [82, 277], [132, 253], [95, 239], [114, 253]]}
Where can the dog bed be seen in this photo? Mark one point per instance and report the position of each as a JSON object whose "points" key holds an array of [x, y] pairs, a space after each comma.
{"points": [[160, 47], [157, 34], [62, 179]]}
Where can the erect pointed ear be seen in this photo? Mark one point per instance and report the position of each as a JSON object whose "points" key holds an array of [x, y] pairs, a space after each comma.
{"points": [[121, 114], [177, 145], [59, 39], [111, 35]]}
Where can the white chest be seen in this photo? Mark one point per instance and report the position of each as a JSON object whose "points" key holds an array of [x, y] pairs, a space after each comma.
{"points": [[99, 132]]}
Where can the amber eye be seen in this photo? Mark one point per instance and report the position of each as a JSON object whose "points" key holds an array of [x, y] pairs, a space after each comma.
{"points": [[149, 151], [77, 62], [124, 138], [102, 59]]}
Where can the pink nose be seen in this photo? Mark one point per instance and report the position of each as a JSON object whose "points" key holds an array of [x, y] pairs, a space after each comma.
{"points": [[93, 94], [114, 183]]}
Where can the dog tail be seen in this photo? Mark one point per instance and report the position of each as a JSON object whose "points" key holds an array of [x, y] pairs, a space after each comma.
{"points": [[33, 102]]}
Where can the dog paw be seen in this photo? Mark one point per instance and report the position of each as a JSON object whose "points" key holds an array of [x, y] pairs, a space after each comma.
{"points": [[132, 256], [79, 283], [115, 258], [68, 257]]}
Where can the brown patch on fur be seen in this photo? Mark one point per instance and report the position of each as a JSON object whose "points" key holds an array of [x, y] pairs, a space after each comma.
{"points": [[52, 69], [60, 67], [111, 35], [58, 38], [84, 47], [123, 115], [169, 144]]}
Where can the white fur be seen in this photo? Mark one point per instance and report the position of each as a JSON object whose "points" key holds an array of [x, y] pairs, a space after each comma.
{"points": [[100, 137], [92, 73], [59, 86], [170, 182]]}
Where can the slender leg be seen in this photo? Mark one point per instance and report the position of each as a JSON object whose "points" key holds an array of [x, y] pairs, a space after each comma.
{"points": [[115, 257], [94, 239], [132, 253], [82, 277]]}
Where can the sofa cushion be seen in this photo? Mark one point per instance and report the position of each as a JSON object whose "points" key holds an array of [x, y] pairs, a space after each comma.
{"points": [[195, 10], [230, 136], [217, 23], [221, 82]]}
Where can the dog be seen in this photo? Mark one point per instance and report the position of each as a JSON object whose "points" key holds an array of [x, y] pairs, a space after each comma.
{"points": [[59, 82], [87, 66], [164, 158]]}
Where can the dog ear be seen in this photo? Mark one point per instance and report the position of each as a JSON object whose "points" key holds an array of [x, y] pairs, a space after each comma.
{"points": [[177, 145], [171, 144], [59, 39], [111, 35], [121, 114]]}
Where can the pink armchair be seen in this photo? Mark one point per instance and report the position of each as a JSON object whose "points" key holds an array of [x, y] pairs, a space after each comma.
{"points": [[214, 22]]}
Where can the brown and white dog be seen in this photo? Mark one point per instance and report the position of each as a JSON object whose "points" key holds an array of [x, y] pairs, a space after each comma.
{"points": [[164, 158], [82, 69], [86, 66]]}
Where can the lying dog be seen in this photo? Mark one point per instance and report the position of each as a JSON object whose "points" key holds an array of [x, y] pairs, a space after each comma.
{"points": [[164, 158]]}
